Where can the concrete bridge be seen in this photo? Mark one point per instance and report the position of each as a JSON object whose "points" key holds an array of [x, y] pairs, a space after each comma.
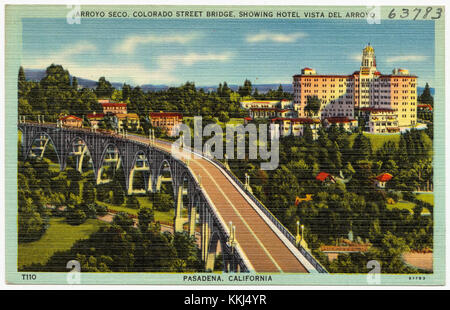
{"points": [[250, 237]]}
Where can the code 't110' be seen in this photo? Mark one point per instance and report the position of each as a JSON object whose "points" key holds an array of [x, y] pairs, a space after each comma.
{"points": [[28, 276]]}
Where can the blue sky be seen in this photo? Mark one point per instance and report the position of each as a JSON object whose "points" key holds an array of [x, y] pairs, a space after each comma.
{"points": [[208, 51]]}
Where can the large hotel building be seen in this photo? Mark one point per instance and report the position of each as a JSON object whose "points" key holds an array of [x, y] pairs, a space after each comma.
{"points": [[387, 103]]}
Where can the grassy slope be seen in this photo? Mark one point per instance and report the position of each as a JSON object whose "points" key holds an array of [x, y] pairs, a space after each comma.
{"points": [[60, 236], [406, 205], [427, 197], [377, 140], [165, 217]]}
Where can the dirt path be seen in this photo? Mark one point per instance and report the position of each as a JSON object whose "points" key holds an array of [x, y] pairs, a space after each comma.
{"points": [[419, 260]]}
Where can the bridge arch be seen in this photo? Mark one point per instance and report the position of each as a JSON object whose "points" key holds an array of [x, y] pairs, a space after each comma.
{"points": [[161, 175], [27, 148], [194, 213], [107, 155], [216, 249], [141, 163], [184, 201], [79, 150], [207, 207]]}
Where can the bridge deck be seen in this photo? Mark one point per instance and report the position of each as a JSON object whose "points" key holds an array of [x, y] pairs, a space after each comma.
{"points": [[262, 246]]}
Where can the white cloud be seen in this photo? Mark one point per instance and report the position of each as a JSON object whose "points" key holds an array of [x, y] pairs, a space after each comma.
{"points": [[129, 72], [168, 63], [129, 45], [192, 58], [276, 37], [356, 57], [59, 57], [405, 58]]}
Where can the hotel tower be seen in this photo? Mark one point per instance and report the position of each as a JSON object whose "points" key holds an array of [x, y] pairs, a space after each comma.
{"points": [[383, 103]]}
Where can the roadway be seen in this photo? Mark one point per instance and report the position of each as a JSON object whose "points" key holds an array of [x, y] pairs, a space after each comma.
{"points": [[263, 248]]}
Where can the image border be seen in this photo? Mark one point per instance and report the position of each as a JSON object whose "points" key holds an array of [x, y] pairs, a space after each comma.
{"points": [[13, 37]]}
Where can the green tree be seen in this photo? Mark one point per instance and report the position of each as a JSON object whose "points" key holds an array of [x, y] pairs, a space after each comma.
{"points": [[123, 220], [104, 88], [74, 83], [426, 97], [132, 202], [118, 194], [308, 134], [246, 89], [362, 148], [88, 194], [312, 105], [22, 82], [145, 217]]}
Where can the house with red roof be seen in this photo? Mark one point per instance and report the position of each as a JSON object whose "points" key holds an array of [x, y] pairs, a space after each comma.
{"points": [[167, 121], [382, 179], [347, 123], [380, 120], [424, 108], [95, 119], [113, 107], [325, 177], [295, 126], [71, 121]]}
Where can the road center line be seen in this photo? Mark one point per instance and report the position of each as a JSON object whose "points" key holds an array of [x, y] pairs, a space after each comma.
{"points": [[242, 219]]}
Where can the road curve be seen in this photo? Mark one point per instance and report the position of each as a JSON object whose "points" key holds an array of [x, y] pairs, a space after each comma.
{"points": [[261, 245]]}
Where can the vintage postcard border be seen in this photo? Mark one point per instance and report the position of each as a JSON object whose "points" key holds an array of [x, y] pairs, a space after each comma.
{"points": [[14, 14]]}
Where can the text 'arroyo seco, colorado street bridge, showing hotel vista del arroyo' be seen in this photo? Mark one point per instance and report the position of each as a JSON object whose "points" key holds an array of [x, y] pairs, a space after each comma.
{"points": [[383, 103]]}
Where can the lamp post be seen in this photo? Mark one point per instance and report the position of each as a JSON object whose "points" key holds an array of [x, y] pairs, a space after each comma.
{"points": [[232, 245], [297, 237], [303, 227]]}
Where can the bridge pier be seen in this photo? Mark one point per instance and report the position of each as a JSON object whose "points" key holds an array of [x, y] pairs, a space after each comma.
{"points": [[179, 220], [80, 157], [192, 219], [158, 163]]}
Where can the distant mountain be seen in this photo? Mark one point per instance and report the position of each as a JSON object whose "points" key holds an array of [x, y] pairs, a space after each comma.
{"points": [[262, 88], [37, 75], [34, 74]]}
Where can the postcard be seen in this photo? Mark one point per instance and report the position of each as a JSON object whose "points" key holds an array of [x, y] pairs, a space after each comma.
{"points": [[225, 145]]}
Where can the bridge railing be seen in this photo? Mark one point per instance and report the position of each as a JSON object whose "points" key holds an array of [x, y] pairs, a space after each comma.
{"points": [[313, 261], [240, 256], [308, 256]]}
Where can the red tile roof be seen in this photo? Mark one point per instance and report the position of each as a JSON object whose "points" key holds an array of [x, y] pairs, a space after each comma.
{"points": [[322, 176], [166, 114], [322, 76], [343, 248], [69, 116], [337, 120], [427, 106], [297, 120], [377, 109], [96, 115], [263, 109], [114, 104], [384, 177]]}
